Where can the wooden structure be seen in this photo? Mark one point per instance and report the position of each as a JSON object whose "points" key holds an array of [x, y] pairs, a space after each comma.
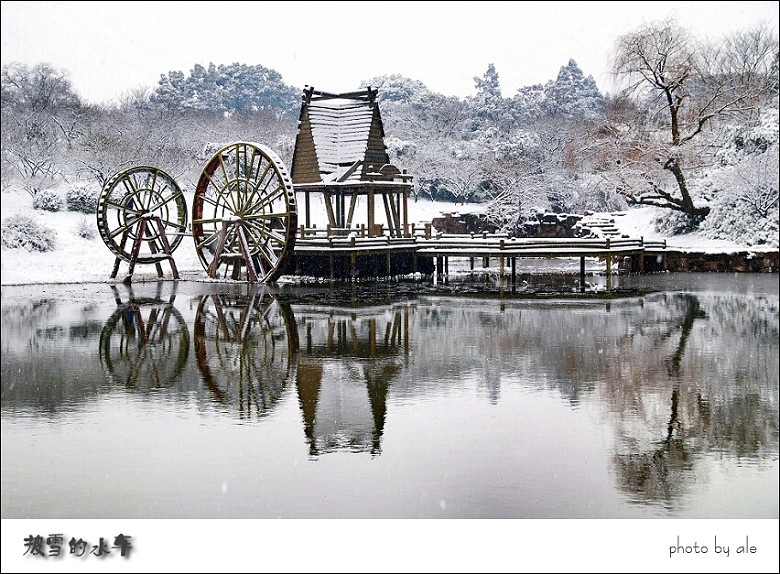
{"points": [[340, 153], [141, 215], [245, 215]]}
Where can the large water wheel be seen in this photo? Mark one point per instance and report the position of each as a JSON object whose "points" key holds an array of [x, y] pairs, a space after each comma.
{"points": [[244, 214]]}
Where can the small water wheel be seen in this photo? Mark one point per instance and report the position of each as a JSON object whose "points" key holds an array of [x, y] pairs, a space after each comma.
{"points": [[141, 216], [145, 343], [244, 214]]}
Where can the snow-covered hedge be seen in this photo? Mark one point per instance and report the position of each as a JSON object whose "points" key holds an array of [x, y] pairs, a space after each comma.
{"points": [[22, 230], [82, 198], [47, 200]]}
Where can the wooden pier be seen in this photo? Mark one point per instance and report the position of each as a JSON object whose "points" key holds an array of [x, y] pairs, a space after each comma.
{"points": [[342, 254]]}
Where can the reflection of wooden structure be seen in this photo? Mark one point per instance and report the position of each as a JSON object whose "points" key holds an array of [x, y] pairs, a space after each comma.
{"points": [[145, 342], [345, 366], [245, 345], [340, 153]]}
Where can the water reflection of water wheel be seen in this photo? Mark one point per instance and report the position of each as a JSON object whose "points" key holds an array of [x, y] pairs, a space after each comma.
{"points": [[145, 342], [245, 347]]}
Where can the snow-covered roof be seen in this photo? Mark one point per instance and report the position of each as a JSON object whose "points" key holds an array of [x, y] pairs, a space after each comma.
{"points": [[339, 137]]}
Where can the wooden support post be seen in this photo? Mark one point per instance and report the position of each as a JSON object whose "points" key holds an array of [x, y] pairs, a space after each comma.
{"points": [[212, 270], [405, 196], [388, 270], [370, 207], [582, 275], [244, 247], [514, 270], [136, 250], [665, 262], [122, 244], [307, 204], [386, 201], [329, 208], [609, 269], [166, 248], [155, 251], [352, 204]]}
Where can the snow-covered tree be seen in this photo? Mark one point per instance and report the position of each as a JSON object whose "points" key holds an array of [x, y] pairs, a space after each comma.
{"points": [[488, 108], [396, 88], [572, 93], [41, 118], [234, 88], [681, 89]]}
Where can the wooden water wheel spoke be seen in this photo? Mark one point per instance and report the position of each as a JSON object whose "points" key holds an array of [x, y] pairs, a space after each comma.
{"points": [[126, 208], [244, 206], [255, 187], [166, 200], [266, 215], [259, 233], [136, 195], [266, 200]]}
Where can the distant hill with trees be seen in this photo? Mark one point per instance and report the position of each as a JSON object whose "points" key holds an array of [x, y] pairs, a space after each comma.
{"points": [[692, 130]]}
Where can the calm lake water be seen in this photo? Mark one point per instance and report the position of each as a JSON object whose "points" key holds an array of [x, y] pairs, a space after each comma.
{"points": [[197, 400]]}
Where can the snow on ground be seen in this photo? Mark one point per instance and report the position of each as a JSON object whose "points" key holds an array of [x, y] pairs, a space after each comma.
{"points": [[79, 260], [638, 222]]}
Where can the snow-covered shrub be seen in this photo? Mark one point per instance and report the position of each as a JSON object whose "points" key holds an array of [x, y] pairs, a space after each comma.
{"points": [[22, 230], [86, 227], [671, 222], [47, 200], [738, 221], [82, 198]]}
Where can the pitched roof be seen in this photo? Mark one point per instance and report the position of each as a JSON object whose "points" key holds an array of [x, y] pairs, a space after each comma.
{"points": [[339, 136]]}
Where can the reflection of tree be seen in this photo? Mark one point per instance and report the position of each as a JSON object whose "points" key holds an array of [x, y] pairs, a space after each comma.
{"points": [[743, 424], [692, 311], [344, 372], [145, 342], [245, 347]]}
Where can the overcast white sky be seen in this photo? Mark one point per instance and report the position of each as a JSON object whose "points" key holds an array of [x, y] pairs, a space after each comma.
{"points": [[112, 47]]}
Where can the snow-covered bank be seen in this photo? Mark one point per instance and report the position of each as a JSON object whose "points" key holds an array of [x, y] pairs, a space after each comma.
{"points": [[638, 222], [79, 260]]}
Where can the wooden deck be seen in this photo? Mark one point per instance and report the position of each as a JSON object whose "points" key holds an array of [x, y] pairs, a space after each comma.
{"points": [[347, 254]]}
